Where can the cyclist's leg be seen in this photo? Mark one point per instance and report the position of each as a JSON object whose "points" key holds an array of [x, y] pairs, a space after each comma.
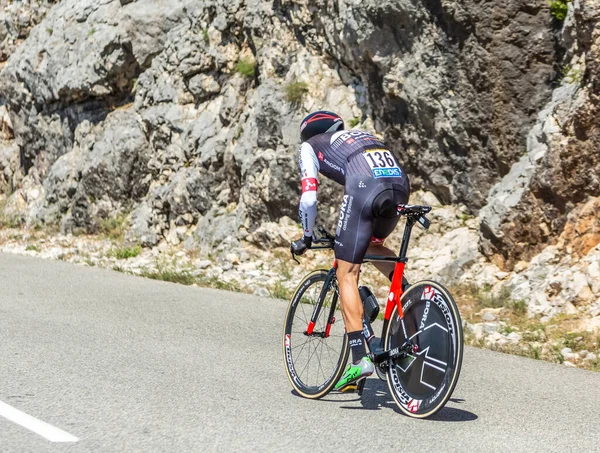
{"points": [[387, 269], [377, 248], [352, 239], [352, 310], [353, 235]]}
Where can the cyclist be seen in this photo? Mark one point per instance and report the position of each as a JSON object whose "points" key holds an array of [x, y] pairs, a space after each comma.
{"points": [[374, 184]]}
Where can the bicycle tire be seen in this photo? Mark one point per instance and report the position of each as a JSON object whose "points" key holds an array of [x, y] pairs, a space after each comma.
{"points": [[294, 338], [422, 383]]}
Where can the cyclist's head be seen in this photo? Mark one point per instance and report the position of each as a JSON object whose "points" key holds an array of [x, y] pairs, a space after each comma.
{"points": [[320, 122]]}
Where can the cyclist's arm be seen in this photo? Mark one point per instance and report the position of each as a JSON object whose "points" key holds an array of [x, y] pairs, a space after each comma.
{"points": [[309, 170]]}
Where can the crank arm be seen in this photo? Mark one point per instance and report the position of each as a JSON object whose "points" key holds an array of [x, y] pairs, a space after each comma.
{"points": [[401, 352]]}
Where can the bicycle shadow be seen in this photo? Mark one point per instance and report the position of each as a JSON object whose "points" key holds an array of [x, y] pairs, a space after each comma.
{"points": [[376, 396]]}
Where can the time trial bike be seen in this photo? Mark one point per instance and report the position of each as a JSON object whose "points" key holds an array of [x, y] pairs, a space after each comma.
{"points": [[420, 349]]}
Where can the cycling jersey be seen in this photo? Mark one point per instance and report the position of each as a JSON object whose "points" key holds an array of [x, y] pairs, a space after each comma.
{"points": [[374, 185]]}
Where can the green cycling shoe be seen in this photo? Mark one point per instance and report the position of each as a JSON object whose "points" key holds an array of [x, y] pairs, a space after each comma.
{"points": [[355, 372]]}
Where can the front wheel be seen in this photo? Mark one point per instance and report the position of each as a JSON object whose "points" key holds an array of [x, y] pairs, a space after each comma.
{"points": [[422, 382], [315, 362]]}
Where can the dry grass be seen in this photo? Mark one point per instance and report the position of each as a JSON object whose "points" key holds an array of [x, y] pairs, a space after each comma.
{"points": [[541, 339]]}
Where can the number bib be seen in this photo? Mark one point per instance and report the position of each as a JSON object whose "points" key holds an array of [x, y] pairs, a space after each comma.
{"points": [[382, 163]]}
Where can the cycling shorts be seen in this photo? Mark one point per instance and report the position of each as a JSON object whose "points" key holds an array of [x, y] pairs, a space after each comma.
{"points": [[368, 214]]}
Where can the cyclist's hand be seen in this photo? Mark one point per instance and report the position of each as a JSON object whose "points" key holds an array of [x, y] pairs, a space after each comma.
{"points": [[301, 245]]}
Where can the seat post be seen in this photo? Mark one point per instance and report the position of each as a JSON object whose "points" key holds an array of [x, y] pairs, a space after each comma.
{"points": [[410, 221]]}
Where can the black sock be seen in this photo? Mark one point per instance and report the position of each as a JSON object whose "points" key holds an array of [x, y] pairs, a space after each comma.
{"points": [[357, 345]]}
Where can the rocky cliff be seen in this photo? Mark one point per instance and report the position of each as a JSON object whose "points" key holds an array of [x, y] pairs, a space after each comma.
{"points": [[181, 116]]}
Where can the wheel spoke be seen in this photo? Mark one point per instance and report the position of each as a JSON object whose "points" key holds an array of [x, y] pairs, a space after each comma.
{"points": [[298, 345], [315, 359]]}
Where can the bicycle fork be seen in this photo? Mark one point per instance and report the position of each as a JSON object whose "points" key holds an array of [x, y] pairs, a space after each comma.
{"points": [[317, 310]]}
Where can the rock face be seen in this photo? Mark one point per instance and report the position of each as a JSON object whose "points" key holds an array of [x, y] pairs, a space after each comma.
{"points": [[544, 192], [454, 85], [182, 116], [17, 18], [453, 93]]}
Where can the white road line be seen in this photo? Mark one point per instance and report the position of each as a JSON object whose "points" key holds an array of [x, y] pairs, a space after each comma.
{"points": [[44, 429]]}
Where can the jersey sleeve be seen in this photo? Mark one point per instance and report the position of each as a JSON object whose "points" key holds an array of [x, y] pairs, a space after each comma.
{"points": [[309, 170]]}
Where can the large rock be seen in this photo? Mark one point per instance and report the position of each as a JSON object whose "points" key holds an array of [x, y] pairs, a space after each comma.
{"points": [[455, 86], [530, 207], [17, 17], [77, 65], [105, 173]]}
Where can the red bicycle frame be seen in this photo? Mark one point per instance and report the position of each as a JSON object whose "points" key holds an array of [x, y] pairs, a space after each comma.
{"points": [[413, 214]]}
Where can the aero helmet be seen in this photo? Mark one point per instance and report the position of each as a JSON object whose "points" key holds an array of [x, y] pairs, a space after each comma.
{"points": [[320, 122]]}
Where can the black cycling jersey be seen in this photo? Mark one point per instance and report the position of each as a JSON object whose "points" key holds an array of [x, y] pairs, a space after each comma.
{"points": [[352, 153], [372, 178]]}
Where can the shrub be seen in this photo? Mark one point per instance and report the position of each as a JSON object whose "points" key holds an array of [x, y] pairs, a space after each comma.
{"points": [[113, 227], [559, 9], [354, 121], [123, 253], [278, 291], [519, 307], [295, 91], [247, 68], [168, 275], [570, 74]]}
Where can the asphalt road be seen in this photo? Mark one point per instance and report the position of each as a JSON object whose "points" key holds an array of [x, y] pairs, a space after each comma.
{"points": [[127, 364]]}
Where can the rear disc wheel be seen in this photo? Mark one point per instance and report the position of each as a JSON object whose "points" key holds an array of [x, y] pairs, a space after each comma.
{"points": [[422, 382]]}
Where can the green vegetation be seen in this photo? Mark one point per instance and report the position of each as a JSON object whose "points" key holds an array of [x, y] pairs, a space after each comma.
{"points": [[279, 291], [247, 68], [123, 253], [205, 35], [8, 221], [185, 277], [49, 31], [33, 248], [169, 275], [464, 217], [571, 75], [354, 122], [518, 307], [113, 227], [92, 32], [217, 283], [559, 8], [295, 92]]}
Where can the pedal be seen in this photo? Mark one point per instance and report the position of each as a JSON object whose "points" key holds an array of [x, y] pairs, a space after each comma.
{"points": [[381, 372], [361, 386], [349, 388]]}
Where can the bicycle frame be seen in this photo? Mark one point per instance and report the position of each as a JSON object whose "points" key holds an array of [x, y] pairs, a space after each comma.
{"points": [[394, 295]]}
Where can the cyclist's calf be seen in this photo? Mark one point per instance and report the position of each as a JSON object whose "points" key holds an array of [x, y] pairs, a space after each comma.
{"points": [[347, 277], [381, 250]]}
